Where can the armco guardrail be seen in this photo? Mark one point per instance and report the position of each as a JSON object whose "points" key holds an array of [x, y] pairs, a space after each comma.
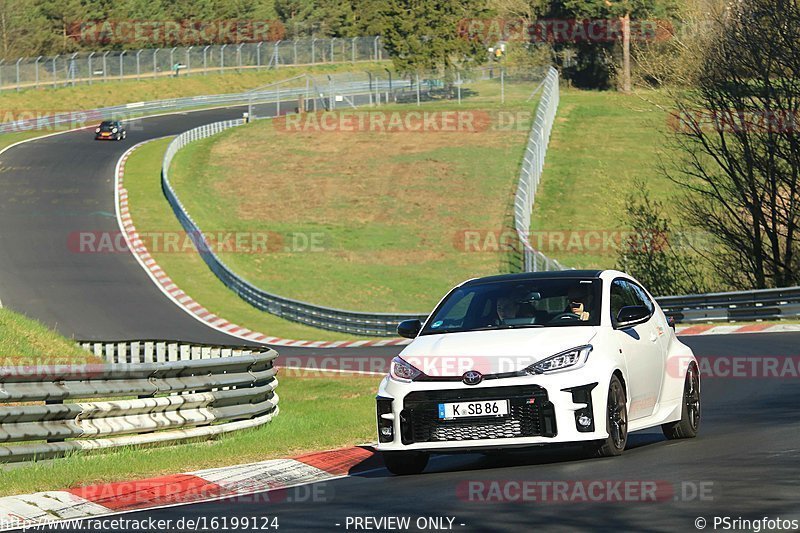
{"points": [[354, 322], [531, 172], [169, 401], [158, 351], [115, 65], [765, 304]]}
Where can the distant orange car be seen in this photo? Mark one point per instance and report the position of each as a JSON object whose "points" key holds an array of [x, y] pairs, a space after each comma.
{"points": [[110, 130]]}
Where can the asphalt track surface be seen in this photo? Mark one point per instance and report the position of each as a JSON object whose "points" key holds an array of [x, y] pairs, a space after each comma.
{"points": [[54, 188], [747, 457], [744, 464]]}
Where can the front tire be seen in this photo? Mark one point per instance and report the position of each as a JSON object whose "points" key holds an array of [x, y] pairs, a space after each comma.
{"points": [[405, 463], [689, 424], [616, 420]]}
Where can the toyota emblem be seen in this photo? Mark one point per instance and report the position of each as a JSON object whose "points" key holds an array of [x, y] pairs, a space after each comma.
{"points": [[472, 377]]}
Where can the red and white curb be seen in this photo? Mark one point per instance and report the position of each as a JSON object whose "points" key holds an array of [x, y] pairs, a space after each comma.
{"points": [[729, 329], [179, 489], [185, 302]]}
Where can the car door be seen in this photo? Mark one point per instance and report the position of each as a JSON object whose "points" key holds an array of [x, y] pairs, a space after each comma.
{"points": [[641, 349]]}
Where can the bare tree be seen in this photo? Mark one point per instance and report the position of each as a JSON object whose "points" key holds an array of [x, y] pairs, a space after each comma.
{"points": [[739, 129]]}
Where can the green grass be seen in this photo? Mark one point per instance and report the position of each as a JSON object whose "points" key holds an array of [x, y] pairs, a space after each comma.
{"points": [[388, 208], [311, 419], [111, 93], [601, 143], [151, 213], [23, 340]]}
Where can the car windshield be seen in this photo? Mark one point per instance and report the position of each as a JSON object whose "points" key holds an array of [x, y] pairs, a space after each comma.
{"points": [[511, 304], [107, 126]]}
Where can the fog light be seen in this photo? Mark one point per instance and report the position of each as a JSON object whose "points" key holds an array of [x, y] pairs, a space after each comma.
{"points": [[385, 425], [585, 420]]}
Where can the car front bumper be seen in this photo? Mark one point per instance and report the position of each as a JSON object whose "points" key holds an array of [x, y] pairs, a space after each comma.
{"points": [[544, 409]]}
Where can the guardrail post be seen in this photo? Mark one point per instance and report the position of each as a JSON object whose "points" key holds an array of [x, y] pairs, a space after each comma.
{"points": [[333, 40], [205, 60], [138, 65], [155, 62], [375, 46], [105, 69], [294, 48], [17, 68], [121, 68], [172, 57], [258, 55], [222, 59], [353, 49], [276, 54], [55, 70], [189, 60], [239, 56]]}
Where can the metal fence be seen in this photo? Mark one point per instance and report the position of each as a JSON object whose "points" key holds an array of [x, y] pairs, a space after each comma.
{"points": [[531, 173], [346, 89], [114, 65], [370, 324], [124, 404]]}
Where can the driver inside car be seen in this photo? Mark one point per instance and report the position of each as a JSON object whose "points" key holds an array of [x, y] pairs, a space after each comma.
{"points": [[507, 308], [577, 304]]}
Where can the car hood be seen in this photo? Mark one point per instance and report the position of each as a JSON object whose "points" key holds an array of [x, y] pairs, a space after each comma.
{"points": [[489, 352]]}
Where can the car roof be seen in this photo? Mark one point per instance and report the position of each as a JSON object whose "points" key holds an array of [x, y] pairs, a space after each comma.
{"points": [[526, 276]]}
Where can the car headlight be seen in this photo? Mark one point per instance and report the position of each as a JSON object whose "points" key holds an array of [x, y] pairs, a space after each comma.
{"points": [[97, 130], [113, 130], [401, 370], [569, 359]]}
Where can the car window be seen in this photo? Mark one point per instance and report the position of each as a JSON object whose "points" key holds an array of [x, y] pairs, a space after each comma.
{"points": [[518, 303], [620, 297], [624, 293], [641, 296]]}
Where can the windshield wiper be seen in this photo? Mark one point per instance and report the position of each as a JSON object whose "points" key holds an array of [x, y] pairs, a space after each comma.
{"points": [[506, 326]]}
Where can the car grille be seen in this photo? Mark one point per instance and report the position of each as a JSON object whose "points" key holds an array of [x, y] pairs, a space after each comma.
{"points": [[419, 420]]}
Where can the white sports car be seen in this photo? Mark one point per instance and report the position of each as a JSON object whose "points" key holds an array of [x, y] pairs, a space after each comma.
{"points": [[539, 358]]}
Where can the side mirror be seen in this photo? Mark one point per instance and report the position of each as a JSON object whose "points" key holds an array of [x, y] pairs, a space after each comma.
{"points": [[632, 313], [409, 328]]}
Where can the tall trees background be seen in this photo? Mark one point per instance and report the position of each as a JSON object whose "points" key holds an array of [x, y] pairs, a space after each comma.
{"points": [[418, 33]]}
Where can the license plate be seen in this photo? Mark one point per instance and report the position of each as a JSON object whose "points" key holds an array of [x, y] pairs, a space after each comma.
{"points": [[449, 411]]}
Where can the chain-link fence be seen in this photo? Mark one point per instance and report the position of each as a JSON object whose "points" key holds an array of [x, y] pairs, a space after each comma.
{"points": [[115, 65], [531, 173]]}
